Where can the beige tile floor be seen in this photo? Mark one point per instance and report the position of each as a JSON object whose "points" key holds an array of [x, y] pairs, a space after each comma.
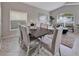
{"points": [[11, 47]]}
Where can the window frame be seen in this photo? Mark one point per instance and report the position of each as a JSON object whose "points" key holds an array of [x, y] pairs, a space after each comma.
{"points": [[11, 20]]}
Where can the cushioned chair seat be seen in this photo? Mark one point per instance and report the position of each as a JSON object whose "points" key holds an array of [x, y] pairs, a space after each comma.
{"points": [[49, 36], [47, 41]]}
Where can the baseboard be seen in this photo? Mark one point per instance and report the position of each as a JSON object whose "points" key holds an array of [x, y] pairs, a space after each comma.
{"points": [[9, 36]]}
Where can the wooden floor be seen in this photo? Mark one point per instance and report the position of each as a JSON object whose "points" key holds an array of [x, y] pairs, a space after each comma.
{"points": [[10, 46]]}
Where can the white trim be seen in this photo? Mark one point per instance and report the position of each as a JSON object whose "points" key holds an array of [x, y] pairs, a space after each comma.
{"points": [[73, 4], [10, 20], [13, 29], [9, 36]]}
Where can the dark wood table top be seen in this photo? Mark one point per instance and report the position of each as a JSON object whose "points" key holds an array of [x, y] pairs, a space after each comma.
{"points": [[40, 32]]}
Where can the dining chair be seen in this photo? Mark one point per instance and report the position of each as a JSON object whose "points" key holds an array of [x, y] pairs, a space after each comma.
{"points": [[46, 26], [43, 25], [33, 26], [25, 43], [53, 45]]}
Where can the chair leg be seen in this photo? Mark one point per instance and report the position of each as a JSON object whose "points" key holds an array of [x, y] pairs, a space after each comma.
{"points": [[40, 45], [59, 51], [39, 49], [19, 40], [27, 51], [36, 51]]}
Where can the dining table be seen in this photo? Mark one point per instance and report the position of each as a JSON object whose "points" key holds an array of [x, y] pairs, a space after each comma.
{"points": [[39, 32]]}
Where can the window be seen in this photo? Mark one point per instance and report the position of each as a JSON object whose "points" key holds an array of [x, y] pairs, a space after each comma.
{"points": [[66, 19], [16, 18], [42, 19]]}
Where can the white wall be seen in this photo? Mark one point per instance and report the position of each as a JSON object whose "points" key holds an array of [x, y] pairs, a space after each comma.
{"points": [[0, 20], [0, 25], [73, 9], [32, 14]]}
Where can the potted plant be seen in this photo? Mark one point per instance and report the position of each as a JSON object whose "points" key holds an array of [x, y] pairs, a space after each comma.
{"points": [[51, 20]]}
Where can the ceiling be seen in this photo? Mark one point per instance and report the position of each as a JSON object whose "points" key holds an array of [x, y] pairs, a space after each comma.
{"points": [[72, 3], [48, 6]]}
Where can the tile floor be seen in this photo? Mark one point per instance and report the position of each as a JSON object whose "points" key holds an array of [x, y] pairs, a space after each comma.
{"points": [[11, 47]]}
